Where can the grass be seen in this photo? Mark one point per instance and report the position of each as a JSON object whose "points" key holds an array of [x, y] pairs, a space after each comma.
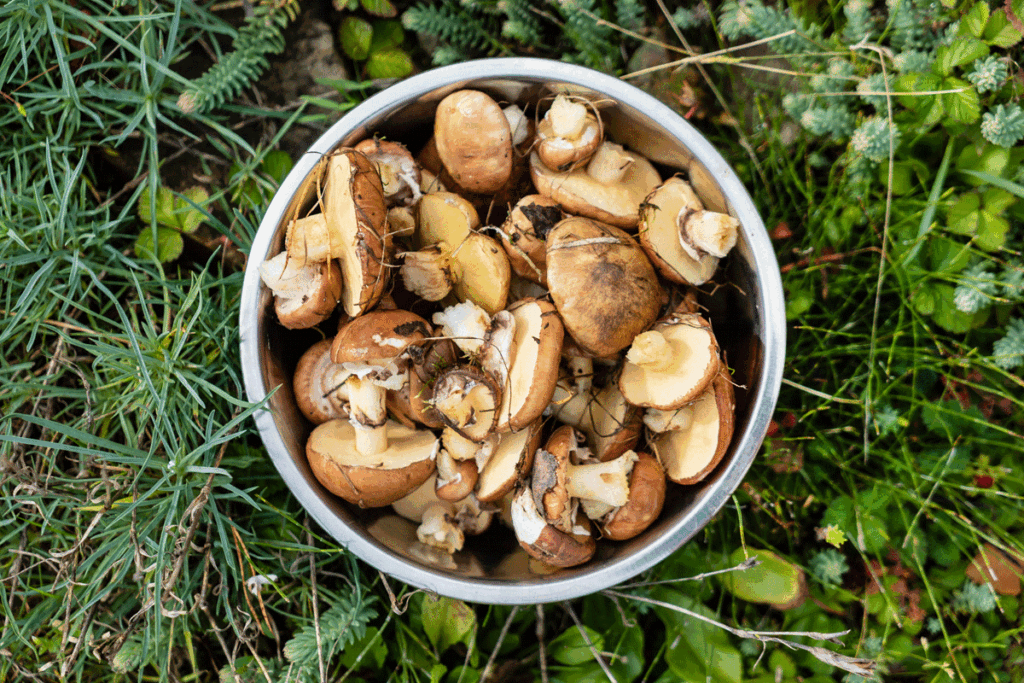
{"points": [[140, 513]]}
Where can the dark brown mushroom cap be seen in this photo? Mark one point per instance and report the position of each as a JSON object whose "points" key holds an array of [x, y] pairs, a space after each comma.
{"points": [[546, 543], [605, 289], [646, 499], [474, 141], [379, 335], [317, 304], [374, 480], [526, 230]]}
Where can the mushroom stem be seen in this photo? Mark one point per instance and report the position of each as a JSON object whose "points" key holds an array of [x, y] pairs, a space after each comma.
{"points": [[582, 370], [568, 118], [437, 529], [703, 233], [669, 420], [517, 123], [609, 163], [605, 482], [651, 350], [368, 415], [428, 273]]}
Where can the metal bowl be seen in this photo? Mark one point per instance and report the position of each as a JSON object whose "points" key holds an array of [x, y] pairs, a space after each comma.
{"points": [[748, 315]]}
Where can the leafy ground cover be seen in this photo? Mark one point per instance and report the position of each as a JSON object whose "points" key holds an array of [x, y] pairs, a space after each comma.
{"points": [[145, 535]]}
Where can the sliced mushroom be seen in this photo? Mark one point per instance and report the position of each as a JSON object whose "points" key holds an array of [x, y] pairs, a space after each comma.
{"points": [[356, 216], [660, 234], [533, 373], [304, 296], [568, 134], [474, 141], [318, 399], [525, 233], [467, 400], [308, 240], [691, 454], [670, 364], [611, 423], [371, 480], [646, 499], [428, 273], [605, 289], [611, 188], [466, 324], [370, 348], [546, 543], [510, 463]]}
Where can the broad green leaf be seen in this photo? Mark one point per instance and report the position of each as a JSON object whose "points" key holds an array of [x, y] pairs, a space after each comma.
{"points": [[697, 651], [978, 215], [386, 33], [169, 244], [961, 51], [164, 206], [951, 318], [462, 674], [188, 216], [924, 300], [437, 672], [370, 651], [276, 165], [963, 105], [379, 8], [963, 215], [391, 62], [775, 581], [947, 256], [927, 105], [355, 35], [571, 649], [983, 158], [447, 621], [973, 23], [999, 31]]}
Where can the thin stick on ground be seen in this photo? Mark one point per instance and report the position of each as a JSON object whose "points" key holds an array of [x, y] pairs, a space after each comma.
{"points": [[590, 644], [539, 630], [497, 646]]}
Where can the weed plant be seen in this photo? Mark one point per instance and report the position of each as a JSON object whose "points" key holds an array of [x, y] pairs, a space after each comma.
{"points": [[145, 534]]}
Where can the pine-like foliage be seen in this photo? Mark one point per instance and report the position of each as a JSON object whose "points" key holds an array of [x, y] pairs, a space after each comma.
{"points": [[461, 28], [260, 36], [341, 625], [1008, 352]]}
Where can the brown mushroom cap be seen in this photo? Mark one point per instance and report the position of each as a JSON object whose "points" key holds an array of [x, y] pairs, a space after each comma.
{"points": [[509, 464], [474, 141], [438, 357], [378, 335], [646, 498], [463, 481], [605, 289], [375, 480], [304, 296], [691, 454], [580, 193], [546, 543], [671, 364], [537, 342], [659, 234], [356, 214], [526, 230], [310, 394], [467, 400], [564, 150]]}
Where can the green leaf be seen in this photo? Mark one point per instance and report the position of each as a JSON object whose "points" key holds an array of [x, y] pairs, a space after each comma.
{"points": [[983, 158], [696, 651], [369, 651], [978, 215], [387, 33], [951, 318], [355, 35], [924, 299], [447, 621], [169, 244], [379, 8], [437, 672], [188, 216], [389, 63], [973, 23], [834, 536], [947, 256], [775, 581], [462, 674], [999, 31], [962, 51], [276, 165], [164, 206], [571, 649], [962, 105], [1002, 183]]}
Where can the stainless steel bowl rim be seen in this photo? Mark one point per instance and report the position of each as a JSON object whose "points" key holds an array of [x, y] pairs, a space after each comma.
{"points": [[552, 588]]}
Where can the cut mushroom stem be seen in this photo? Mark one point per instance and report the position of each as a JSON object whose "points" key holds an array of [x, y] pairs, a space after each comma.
{"points": [[706, 233], [609, 163], [568, 118], [651, 351], [428, 273], [439, 530], [606, 482], [368, 414], [660, 421]]}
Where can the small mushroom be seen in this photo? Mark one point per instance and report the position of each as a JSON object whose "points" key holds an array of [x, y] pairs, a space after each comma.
{"points": [[670, 364], [525, 233], [457, 470], [691, 454], [533, 372], [706, 233], [371, 480], [558, 481], [543, 541], [428, 273], [466, 324], [646, 499], [370, 347], [399, 173], [474, 141], [659, 234], [610, 189], [443, 524], [315, 393], [605, 289], [568, 134], [304, 296], [356, 214], [467, 400], [611, 423]]}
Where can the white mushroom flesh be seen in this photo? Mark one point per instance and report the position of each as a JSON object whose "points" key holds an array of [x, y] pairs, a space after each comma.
{"points": [[517, 123], [606, 482], [428, 273], [438, 531], [609, 163], [527, 521], [703, 233], [567, 118], [466, 324], [668, 420], [651, 351], [287, 278]]}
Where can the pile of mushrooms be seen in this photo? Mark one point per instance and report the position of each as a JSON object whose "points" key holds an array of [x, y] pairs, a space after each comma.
{"points": [[553, 371]]}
